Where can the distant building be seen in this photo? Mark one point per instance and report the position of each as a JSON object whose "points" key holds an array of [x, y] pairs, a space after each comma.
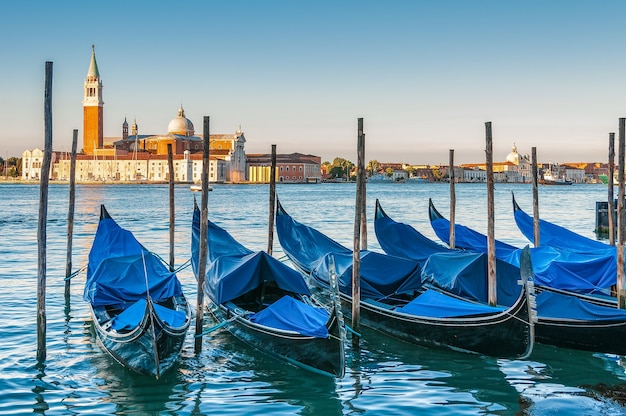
{"points": [[290, 168], [32, 161], [134, 157]]}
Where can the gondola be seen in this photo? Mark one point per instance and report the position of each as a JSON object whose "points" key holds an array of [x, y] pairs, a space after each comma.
{"points": [[268, 305], [140, 313], [584, 273], [395, 302], [565, 318]]}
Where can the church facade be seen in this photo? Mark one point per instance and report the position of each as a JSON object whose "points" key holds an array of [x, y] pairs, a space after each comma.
{"points": [[135, 157]]}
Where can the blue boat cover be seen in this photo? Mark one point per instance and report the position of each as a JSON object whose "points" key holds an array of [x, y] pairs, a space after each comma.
{"points": [[381, 275], [465, 274], [553, 267], [130, 317], [121, 271], [233, 270], [457, 271], [438, 305], [556, 236], [292, 315], [558, 306], [402, 240]]}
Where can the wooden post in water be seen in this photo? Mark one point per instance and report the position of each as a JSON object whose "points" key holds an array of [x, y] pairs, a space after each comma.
{"points": [[611, 203], [70, 216], [363, 194], [43, 217], [270, 230], [621, 301], [491, 241], [452, 197], [356, 251], [170, 166], [535, 170], [204, 228]]}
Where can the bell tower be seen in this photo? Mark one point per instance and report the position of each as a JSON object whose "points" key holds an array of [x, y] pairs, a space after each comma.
{"points": [[93, 132]]}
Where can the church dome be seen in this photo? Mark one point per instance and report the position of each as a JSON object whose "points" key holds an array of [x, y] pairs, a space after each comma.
{"points": [[513, 157], [180, 124]]}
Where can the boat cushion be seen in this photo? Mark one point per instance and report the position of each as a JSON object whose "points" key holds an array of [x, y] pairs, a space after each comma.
{"points": [[293, 315], [438, 305], [131, 317]]}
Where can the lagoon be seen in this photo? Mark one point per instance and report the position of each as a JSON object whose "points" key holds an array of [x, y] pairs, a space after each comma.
{"points": [[385, 376]]}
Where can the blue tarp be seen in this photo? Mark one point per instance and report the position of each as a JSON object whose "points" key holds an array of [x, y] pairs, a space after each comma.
{"points": [[130, 317], [438, 305], [121, 271], [556, 236], [381, 275], [292, 315], [233, 270], [465, 274], [461, 272], [558, 306], [583, 272], [402, 240]]}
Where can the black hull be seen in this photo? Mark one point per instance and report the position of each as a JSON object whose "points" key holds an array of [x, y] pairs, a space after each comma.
{"points": [[604, 337], [320, 355], [150, 349], [509, 334]]}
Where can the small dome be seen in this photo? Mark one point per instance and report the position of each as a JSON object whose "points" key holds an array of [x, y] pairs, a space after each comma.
{"points": [[513, 157], [181, 125]]}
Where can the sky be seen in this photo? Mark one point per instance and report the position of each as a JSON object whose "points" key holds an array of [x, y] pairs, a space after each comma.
{"points": [[425, 76]]}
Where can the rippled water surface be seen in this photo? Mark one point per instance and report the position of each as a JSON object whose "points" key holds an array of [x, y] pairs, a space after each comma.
{"points": [[384, 376]]}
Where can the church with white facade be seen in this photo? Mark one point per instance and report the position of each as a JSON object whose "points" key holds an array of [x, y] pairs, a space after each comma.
{"points": [[141, 157]]}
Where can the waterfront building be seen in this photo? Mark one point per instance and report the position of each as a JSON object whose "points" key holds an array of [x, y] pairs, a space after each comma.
{"points": [[133, 156], [290, 168]]}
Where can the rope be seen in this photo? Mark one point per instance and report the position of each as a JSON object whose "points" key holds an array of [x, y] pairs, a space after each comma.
{"points": [[352, 331], [218, 326], [71, 276]]}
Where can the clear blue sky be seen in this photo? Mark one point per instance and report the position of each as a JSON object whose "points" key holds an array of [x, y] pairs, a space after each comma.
{"points": [[424, 75]]}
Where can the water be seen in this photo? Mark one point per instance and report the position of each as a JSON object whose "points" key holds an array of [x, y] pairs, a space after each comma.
{"points": [[385, 377]]}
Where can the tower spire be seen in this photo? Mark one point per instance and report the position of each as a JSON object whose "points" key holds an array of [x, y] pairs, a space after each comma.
{"points": [[93, 108]]}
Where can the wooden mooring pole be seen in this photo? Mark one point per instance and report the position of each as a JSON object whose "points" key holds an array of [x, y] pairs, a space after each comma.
{"points": [[270, 228], [170, 166], [452, 198], [611, 202], [535, 173], [356, 252], [70, 216], [621, 298], [43, 217], [204, 228], [491, 241]]}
